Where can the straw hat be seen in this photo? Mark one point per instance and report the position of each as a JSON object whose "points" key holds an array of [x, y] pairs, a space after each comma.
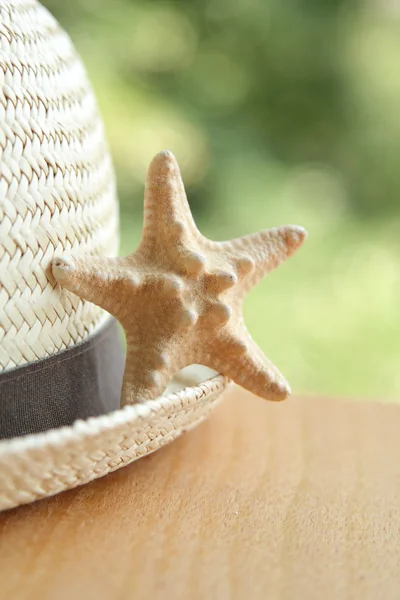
{"points": [[61, 358]]}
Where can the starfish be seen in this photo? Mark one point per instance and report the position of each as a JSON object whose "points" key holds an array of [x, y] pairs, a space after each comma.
{"points": [[179, 296]]}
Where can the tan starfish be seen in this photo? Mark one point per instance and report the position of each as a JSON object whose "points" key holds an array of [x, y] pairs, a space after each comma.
{"points": [[179, 295]]}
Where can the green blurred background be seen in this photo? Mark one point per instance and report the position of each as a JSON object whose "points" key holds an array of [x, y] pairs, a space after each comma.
{"points": [[278, 112]]}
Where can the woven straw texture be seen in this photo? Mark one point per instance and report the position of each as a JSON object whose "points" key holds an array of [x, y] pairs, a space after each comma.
{"points": [[43, 465], [57, 194], [57, 190]]}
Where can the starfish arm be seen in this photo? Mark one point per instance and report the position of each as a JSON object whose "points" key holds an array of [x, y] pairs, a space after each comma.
{"points": [[149, 369], [96, 279], [138, 387], [238, 357], [256, 255], [167, 215]]}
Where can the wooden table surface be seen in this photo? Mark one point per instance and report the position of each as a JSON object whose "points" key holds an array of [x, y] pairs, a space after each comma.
{"points": [[299, 500]]}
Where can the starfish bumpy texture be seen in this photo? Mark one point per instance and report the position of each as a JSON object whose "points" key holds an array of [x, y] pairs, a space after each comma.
{"points": [[179, 296]]}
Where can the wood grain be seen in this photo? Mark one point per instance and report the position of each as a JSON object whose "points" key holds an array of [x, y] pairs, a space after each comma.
{"points": [[298, 500]]}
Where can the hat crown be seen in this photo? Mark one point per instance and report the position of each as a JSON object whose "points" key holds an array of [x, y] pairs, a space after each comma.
{"points": [[57, 187]]}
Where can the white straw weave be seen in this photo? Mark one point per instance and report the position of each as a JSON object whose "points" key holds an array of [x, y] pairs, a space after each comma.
{"points": [[57, 194], [57, 190], [45, 464]]}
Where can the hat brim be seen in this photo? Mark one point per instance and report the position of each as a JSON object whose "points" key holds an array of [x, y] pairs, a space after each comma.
{"points": [[40, 465]]}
